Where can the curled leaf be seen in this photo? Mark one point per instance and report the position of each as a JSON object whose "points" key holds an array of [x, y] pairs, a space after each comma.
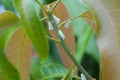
{"points": [[107, 17]]}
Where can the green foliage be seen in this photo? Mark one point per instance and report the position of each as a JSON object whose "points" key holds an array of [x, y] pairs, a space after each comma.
{"points": [[48, 65], [33, 26], [7, 70], [44, 71], [7, 20], [92, 49]]}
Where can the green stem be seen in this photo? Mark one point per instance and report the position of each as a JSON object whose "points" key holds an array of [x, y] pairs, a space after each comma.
{"points": [[42, 19], [70, 19], [52, 39], [64, 45]]}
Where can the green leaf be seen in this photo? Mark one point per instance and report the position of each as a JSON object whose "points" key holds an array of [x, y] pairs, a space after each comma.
{"points": [[33, 26], [82, 43], [22, 47], [81, 28], [9, 22], [8, 19], [7, 70], [46, 71], [53, 71], [69, 74], [92, 49]]}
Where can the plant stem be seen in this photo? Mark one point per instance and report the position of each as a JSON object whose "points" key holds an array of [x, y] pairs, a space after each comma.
{"points": [[42, 19], [64, 45], [52, 39], [70, 19], [55, 5]]}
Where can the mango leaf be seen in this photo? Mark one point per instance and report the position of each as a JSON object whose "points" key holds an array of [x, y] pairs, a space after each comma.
{"points": [[7, 70], [81, 29], [69, 74], [9, 22], [47, 70], [8, 19], [18, 51], [33, 26], [107, 17]]}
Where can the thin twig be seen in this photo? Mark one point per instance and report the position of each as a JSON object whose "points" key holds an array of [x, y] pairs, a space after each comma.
{"points": [[42, 19], [70, 19], [53, 39], [55, 5], [64, 45]]}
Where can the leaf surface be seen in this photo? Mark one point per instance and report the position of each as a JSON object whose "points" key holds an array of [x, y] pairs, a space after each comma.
{"points": [[7, 70], [33, 26], [46, 71], [9, 22], [107, 16], [18, 51], [8, 19]]}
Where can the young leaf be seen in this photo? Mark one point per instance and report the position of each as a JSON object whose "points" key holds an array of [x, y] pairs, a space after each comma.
{"points": [[107, 16], [18, 51], [33, 26], [8, 19], [7, 70], [8, 24]]}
